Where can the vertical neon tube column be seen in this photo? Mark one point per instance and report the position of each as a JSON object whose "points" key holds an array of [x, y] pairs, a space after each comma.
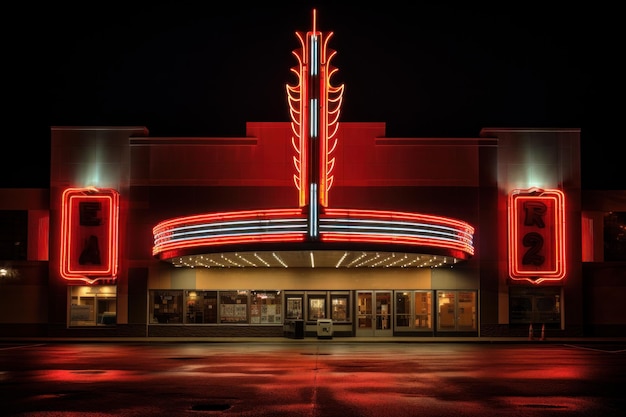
{"points": [[314, 106]]}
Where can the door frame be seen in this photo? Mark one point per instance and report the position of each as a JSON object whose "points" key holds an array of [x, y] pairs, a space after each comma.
{"points": [[371, 318]]}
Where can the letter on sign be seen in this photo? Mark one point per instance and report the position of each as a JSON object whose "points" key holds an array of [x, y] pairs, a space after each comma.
{"points": [[89, 234], [536, 235]]}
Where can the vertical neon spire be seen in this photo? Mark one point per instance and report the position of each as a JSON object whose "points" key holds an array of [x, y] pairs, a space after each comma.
{"points": [[314, 107]]}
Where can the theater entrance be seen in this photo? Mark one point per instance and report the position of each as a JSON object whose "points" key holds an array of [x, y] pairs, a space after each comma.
{"points": [[373, 313]]}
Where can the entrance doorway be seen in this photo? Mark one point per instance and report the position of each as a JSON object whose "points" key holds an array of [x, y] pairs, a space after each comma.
{"points": [[373, 312], [456, 311]]}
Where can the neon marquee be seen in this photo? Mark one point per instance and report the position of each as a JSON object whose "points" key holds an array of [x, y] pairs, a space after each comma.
{"points": [[314, 106]]}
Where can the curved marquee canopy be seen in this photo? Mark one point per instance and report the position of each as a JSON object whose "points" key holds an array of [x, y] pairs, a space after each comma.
{"points": [[346, 238]]}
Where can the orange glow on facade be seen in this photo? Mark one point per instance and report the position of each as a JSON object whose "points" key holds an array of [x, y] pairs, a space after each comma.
{"points": [[89, 234], [537, 235]]}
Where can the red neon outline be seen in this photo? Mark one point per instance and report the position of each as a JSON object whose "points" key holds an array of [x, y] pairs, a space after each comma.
{"points": [[164, 226], [331, 98], [402, 240], [297, 99], [227, 215], [230, 240], [109, 270], [536, 276], [398, 215]]}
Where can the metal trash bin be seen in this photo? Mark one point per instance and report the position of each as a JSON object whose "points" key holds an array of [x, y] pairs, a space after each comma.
{"points": [[294, 329], [324, 329]]}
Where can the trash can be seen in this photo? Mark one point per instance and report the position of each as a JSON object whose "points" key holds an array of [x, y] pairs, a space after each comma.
{"points": [[294, 329], [324, 329], [298, 329]]}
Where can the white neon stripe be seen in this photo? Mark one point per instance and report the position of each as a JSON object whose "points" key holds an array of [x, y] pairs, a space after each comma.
{"points": [[246, 228], [314, 54], [394, 229], [313, 118], [313, 213]]}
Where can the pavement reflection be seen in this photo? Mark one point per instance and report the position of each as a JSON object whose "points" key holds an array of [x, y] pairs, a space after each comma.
{"points": [[311, 379]]}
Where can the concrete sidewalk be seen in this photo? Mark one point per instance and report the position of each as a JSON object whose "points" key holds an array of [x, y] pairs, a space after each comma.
{"points": [[400, 339]]}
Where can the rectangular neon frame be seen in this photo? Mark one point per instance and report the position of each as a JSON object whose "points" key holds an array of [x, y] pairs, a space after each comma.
{"points": [[527, 239], [72, 234]]}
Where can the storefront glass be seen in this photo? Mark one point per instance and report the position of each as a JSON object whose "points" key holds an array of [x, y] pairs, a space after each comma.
{"points": [[529, 305], [93, 305], [266, 307], [413, 310], [294, 307], [456, 311], [233, 307], [317, 307], [377, 313], [166, 306], [201, 307], [340, 307]]}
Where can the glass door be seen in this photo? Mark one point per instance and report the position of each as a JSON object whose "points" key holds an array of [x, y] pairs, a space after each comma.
{"points": [[456, 310], [364, 317], [373, 313], [383, 314]]}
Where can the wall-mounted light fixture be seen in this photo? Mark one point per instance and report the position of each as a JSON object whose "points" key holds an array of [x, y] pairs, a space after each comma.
{"points": [[7, 272]]}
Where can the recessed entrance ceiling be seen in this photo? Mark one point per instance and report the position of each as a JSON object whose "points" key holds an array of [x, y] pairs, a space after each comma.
{"points": [[314, 259]]}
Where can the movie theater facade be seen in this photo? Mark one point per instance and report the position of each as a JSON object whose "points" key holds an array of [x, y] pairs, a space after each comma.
{"points": [[310, 224]]}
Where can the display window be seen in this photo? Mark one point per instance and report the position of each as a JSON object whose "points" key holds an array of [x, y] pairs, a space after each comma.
{"points": [[317, 307], [294, 307], [266, 307], [166, 306], [340, 307], [233, 307], [201, 307], [529, 305], [93, 305]]}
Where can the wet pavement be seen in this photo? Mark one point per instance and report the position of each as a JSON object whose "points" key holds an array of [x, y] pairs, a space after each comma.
{"points": [[309, 377]]}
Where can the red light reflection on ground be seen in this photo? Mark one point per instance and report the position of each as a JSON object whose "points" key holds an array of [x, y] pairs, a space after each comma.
{"points": [[87, 375]]}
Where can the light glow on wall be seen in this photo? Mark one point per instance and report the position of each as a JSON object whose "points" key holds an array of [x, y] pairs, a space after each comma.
{"points": [[89, 234], [537, 235]]}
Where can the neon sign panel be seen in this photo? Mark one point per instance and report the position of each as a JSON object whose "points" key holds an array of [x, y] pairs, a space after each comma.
{"points": [[89, 234], [537, 235]]}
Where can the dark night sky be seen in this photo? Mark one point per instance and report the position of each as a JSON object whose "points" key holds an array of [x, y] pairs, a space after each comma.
{"points": [[196, 69]]}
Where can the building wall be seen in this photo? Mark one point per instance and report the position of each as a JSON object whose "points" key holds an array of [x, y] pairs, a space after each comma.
{"points": [[547, 159], [468, 179]]}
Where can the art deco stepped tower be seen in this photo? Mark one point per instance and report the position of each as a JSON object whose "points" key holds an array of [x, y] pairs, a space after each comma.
{"points": [[314, 106]]}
